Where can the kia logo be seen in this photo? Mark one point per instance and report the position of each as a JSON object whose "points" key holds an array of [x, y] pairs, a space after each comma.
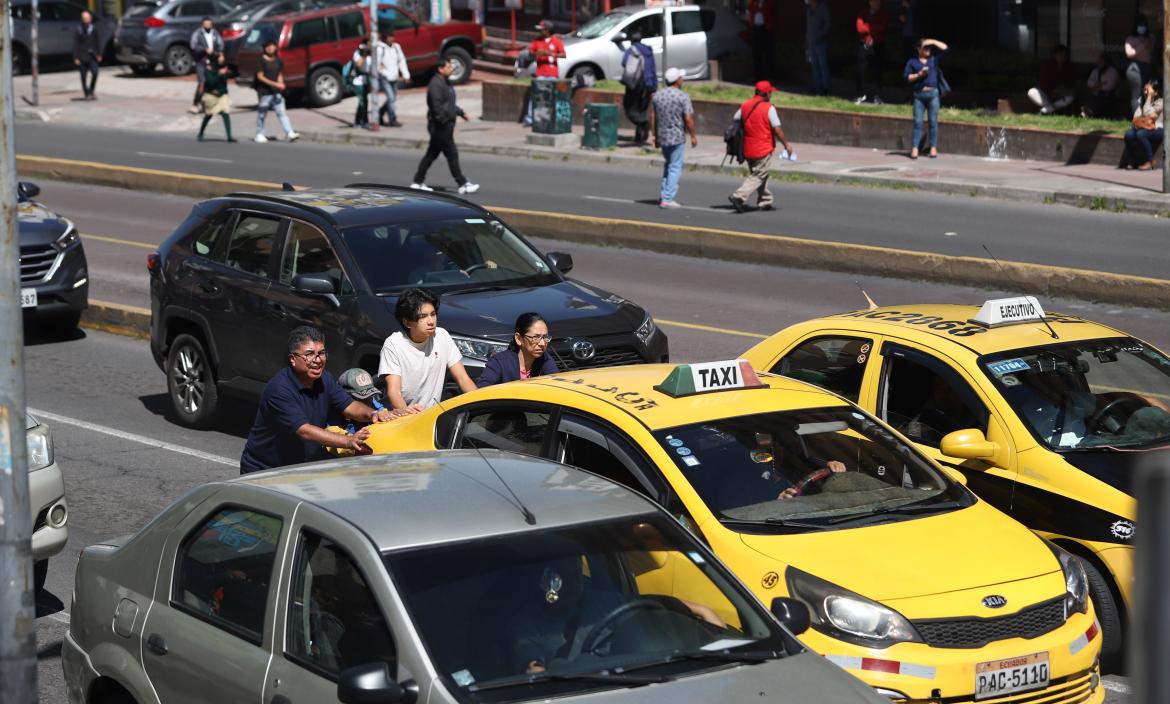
{"points": [[583, 350], [995, 601]]}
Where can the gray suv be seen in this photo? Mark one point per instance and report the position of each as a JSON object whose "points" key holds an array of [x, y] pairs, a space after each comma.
{"points": [[58, 22], [160, 32]]}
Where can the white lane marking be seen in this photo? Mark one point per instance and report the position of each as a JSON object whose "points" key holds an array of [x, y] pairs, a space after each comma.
{"points": [[1115, 686], [950, 234], [142, 439], [635, 202], [188, 158]]}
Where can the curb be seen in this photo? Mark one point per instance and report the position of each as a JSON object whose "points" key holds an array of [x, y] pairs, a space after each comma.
{"points": [[118, 319], [699, 242]]}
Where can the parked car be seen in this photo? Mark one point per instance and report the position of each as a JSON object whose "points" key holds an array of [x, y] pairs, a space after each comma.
{"points": [[58, 22], [54, 276], [348, 582], [243, 270], [46, 498], [159, 32], [316, 45], [235, 25]]}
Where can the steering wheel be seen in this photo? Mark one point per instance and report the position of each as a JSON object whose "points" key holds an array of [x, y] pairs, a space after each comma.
{"points": [[813, 477], [475, 267], [592, 641], [1099, 417]]}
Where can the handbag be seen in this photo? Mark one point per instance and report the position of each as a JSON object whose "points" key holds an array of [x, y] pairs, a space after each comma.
{"points": [[1145, 122]]}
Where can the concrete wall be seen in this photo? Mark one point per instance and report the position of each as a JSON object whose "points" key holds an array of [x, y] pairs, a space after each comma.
{"points": [[504, 102]]}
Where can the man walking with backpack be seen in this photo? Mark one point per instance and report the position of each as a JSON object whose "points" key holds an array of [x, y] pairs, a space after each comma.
{"points": [[640, 77], [761, 130]]}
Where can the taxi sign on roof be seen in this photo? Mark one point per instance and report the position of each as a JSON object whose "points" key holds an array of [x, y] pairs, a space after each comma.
{"points": [[1006, 311], [704, 377]]}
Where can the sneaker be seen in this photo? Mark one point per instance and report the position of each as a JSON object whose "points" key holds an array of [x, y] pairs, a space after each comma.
{"points": [[194, 110], [293, 136], [737, 203], [670, 204], [859, 100], [425, 187], [260, 139], [468, 188]]}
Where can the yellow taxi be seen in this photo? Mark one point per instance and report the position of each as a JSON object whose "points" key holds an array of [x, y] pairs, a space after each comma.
{"points": [[914, 585], [1045, 415]]}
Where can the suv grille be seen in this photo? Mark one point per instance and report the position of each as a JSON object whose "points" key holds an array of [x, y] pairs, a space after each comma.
{"points": [[35, 262], [978, 632], [610, 357]]}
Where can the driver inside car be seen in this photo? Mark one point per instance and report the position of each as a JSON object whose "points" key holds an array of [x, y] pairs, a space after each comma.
{"points": [[1055, 404], [785, 470]]}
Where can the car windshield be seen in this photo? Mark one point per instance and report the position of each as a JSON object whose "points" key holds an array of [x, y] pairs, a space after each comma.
{"points": [[1082, 395], [444, 255], [244, 12], [541, 613], [262, 32], [807, 470], [601, 24]]}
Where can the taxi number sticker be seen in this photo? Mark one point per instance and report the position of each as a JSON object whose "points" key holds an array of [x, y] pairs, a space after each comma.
{"points": [[1020, 674], [630, 398], [1009, 366]]}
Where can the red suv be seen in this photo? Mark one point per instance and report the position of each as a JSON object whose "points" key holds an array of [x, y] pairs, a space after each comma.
{"points": [[315, 45]]}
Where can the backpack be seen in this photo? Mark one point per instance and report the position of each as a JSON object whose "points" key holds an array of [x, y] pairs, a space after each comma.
{"points": [[733, 137], [347, 74], [632, 72]]}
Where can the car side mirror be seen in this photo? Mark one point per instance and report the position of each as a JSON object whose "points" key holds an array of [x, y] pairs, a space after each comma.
{"points": [[561, 261], [28, 189], [620, 37], [968, 444], [793, 613], [315, 285], [372, 684]]}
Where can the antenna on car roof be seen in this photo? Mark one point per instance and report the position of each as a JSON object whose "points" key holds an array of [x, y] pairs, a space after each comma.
{"points": [[868, 301], [529, 517], [286, 186], [1044, 318]]}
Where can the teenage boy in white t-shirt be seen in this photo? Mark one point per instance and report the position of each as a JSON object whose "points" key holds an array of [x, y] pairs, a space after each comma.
{"points": [[415, 361]]}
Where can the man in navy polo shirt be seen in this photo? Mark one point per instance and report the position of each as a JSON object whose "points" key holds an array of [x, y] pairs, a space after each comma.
{"points": [[295, 406]]}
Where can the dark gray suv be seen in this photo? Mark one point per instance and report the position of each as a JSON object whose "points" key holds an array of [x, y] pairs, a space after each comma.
{"points": [[159, 32]]}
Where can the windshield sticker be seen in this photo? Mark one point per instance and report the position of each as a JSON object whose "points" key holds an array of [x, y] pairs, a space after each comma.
{"points": [[1009, 366], [463, 678], [761, 456], [696, 557], [682, 451], [674, 442], [691, 461], [1010, 380]]}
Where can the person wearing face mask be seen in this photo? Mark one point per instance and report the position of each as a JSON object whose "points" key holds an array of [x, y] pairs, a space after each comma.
{"points": [[205, 43], [1139, 51]]}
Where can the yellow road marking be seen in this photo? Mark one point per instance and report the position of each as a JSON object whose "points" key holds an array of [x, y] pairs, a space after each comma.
{"points": [[48, 161], [115, 240], [709, 328]]}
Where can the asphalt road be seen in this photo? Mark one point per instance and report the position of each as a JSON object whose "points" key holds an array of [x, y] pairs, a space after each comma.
{"points": [[946, 224]]}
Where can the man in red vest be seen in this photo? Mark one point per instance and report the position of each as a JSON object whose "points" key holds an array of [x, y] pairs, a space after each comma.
{"points": [[761, 130]]}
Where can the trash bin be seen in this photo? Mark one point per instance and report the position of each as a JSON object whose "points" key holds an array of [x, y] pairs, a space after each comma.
{"points": [[601, 124], [552, 111]]}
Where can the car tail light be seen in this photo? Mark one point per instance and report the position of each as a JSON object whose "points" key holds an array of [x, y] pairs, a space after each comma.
{"points": [[154, 22], [232, 33], [152, 262]]}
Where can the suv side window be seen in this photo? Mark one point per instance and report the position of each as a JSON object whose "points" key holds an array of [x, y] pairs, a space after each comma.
{"points": [[307, 32], [513, 429], [334, 621], [307, 251], [685, 22], [197, 9], [836, 363], [209, 235], [253, 239], [350, 25], [924, 399], [224, 568]]}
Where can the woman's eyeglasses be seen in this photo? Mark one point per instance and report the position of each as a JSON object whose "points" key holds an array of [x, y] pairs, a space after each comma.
{"points": [[537, 338]]}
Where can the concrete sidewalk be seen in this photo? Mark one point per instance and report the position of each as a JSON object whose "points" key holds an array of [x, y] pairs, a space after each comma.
{"points": [[128, 102]]}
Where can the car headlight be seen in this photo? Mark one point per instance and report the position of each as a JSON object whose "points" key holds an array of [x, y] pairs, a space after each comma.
{"points": [[68, 238], [477, 348], [40, 447], [1076, 582], [646, 330], [848, 616]]}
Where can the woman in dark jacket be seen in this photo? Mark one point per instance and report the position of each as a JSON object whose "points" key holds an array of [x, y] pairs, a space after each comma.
{"points": [[526, 357]]}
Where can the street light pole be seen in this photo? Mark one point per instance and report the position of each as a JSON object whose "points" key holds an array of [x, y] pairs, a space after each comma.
{"points": [[18, 665]]}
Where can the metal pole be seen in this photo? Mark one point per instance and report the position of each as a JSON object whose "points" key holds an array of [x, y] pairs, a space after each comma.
{"points": [[1150, 640], [1165, 82], [18, 665], [36, 54]]}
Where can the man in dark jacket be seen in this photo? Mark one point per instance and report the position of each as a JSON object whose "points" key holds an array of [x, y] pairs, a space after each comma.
{"points": [[442, 112], [87, 53], [205, 44]]}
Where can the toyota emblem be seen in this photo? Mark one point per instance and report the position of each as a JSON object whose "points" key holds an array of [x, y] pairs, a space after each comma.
{"points": [[995, 601], [583, 350]]}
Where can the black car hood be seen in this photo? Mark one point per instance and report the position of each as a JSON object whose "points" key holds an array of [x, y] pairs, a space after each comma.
{"points": [[571, 308], [38, 225], [1117, 469]]}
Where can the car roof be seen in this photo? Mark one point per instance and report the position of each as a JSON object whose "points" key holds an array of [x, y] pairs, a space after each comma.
{"points": [[313, 13], [630, 390], [423, 498], [369, 204], [998, 339]]}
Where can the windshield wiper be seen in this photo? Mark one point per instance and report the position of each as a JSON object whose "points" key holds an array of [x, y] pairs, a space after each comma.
{"points": [[477, 289], [782, 522], [748, 656], [603, 677], [902, 509]]}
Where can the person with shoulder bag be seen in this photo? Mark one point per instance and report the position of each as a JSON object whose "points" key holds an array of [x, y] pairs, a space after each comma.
{"points": [[761, 131], [640, 77], [1147, 131]]}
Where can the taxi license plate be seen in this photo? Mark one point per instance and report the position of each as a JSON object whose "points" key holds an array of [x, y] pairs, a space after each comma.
{"points": [[1019, 674], [28, 298]]}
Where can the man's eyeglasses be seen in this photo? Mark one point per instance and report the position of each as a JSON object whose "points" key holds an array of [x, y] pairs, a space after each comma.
{"points": [[311, 356], [537, 338]]}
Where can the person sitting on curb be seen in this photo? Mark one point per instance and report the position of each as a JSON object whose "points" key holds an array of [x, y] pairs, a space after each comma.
{"points": [[761, 130], [1147, 130], [1057, 88]]}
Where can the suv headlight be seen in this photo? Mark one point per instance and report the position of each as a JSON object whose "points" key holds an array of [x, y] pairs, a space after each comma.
{"points": [[646, 330], [68, 238], [848, 616], [40, 447], [477, 348], [1076, 582]]}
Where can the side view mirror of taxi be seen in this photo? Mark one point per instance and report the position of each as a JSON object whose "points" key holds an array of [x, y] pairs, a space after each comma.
{"points": [[561, 261], [968, 444], [316, 285], [792, 613], [372, 684], [28, 189]]}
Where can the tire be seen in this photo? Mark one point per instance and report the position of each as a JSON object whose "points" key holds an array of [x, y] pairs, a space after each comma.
{"points": [[40, 574], [190, 382], [142, 69], [460, 57], [324, 87], [1109, 616], [585, 72], [178, 60]]}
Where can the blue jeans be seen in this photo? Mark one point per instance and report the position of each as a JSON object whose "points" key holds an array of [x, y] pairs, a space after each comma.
{"points": [[818, 55], [1139, 144], [389, 87], [925, 101], [273, 101], [672, 169]]}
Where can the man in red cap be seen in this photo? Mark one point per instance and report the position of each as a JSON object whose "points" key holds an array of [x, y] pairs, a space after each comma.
{"points": [[546, 51], [761, 130]]}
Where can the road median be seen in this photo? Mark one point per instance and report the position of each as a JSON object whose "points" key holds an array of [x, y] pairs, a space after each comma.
{"points": [[698, 242]]}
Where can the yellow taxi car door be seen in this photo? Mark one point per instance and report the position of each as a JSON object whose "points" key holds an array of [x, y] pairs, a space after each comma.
{"points": [[838, 361]]}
